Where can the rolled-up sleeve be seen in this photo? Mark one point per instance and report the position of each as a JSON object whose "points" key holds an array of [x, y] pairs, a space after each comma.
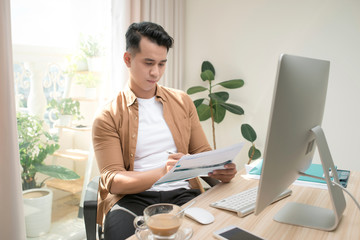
{"points": [[109, 156], [107, 148]]}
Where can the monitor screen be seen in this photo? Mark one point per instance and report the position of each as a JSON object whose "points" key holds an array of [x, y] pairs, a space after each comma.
{"points": [[297, 107]]}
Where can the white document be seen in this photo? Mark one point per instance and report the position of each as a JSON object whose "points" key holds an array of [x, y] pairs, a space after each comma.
{"points": [[200, 164]]}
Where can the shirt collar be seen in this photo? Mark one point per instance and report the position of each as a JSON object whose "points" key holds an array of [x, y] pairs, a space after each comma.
{"points": [[131, 97], [160, 93]]}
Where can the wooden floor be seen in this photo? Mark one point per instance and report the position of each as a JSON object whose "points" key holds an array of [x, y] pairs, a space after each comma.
{"points": [[65, 208], [65, 223]]}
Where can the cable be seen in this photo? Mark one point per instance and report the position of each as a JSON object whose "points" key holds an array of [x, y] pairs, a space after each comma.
{"points": [[334, 183], [344, 189]]}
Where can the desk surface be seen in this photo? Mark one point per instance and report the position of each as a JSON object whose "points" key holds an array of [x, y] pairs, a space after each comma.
{"points": [[264, 226]]}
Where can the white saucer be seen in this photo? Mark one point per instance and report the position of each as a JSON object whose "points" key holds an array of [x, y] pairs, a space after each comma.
{"points": [[184, 233]]}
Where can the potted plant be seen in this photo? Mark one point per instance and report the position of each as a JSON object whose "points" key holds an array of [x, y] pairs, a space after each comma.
{"points": [[35, 144], [75, 63], [90, 81], [91, 48], [66, 109], [215, 105]]}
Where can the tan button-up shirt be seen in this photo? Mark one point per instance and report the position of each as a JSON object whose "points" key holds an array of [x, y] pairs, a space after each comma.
{"points": [[115, 131]]}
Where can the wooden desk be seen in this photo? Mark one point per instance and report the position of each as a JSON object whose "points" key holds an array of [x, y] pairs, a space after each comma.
{"points": [[263, 225]]}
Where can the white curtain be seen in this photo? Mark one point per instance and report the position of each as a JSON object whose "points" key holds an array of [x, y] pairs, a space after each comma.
{"points": [[167, 13], [12, 223]]}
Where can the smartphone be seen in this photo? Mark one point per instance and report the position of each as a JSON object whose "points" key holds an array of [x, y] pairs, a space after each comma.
{"points": [[234, 233]]}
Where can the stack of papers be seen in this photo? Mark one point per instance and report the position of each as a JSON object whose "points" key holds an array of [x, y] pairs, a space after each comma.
{"points": [[191, 166], [254, 171]]}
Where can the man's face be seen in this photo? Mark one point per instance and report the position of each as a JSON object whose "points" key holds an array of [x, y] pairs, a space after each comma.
{"points": [[146, 67]]}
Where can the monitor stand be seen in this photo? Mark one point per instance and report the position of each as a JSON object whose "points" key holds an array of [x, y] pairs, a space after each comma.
{"points": [[317, 217]]}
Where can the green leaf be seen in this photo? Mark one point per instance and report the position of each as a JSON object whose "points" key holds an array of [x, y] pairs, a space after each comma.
{"points": [[196, 89], [57, 172], [219, 96], [206, 65], [203, 112], [198, 102], [219, 113], [254, 153], [207, 75], [233, 108], [248, 132], [231, 84], [66, 106]]}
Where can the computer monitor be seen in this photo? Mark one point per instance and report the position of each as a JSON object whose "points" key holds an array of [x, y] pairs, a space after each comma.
{"points": [[294, 130]]}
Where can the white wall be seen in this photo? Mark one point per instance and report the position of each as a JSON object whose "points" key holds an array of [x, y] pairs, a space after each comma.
{"points": [[244, 38]]}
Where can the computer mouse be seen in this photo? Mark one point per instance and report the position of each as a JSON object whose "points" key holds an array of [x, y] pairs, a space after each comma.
{"points": [[200, 215]]}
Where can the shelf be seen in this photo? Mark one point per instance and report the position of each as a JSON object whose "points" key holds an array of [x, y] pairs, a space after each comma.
{"points": [[73, 154], [84, 99], [81, 129], [72, 186]]}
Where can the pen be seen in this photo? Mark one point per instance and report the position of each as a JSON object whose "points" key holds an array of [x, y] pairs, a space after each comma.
{"points": [[170, 152]]}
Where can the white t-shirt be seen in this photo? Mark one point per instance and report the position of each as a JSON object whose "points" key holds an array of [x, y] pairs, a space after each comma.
{"points": [[153, 142]]}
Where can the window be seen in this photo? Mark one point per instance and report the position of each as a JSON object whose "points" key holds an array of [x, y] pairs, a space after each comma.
{"points": [[60, 52]]}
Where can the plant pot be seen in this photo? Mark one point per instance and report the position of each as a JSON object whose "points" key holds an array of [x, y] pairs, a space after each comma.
{"points": [[90, 93], [81, 65], [95, 64], [62, 121], [65, 120], [37, 209]]}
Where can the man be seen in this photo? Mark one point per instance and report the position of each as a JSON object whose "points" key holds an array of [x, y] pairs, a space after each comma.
{"points": [[134, 132]]}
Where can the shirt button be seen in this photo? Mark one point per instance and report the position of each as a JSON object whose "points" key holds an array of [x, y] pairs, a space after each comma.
{"points": [[133, 136], [135, 118], [131, 154]]}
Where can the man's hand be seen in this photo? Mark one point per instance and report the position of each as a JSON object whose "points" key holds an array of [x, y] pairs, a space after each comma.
{"points": [[224, 175], [172, 160]]}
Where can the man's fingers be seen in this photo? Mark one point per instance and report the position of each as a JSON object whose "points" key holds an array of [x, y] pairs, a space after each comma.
{"points": [[230, 166], [224, 175], [231, 171], [175, 156], [170, 164]]}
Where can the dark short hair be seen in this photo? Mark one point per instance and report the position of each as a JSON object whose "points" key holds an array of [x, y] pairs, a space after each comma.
{"points": [[152, 31]]}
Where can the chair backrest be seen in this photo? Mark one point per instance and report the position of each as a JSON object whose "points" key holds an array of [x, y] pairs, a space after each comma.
{"points": [[90, 208]]}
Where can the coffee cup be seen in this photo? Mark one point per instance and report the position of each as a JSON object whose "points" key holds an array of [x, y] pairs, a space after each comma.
{"points": [[162, 220]]}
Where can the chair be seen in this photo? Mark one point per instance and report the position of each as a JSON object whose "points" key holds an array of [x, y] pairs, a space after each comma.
{"points": [[90, 206], [90, 209]]}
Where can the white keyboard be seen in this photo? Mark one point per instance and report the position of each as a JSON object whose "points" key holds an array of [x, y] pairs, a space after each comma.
{"points": [[244, 202]]}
